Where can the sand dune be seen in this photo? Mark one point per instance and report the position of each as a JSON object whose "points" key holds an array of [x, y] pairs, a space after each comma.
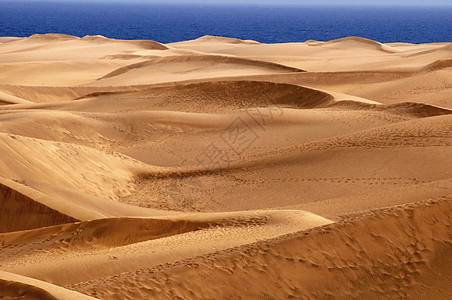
{"points": [[23, 202], [97, 249], [428, 83], [178, 68], [37, 48], [56, 73], [376, 255], [212, 38], [202, 97], [355, 42], [222, 168], [351, 53], [44, 94], [9, 99], [14, 286]]}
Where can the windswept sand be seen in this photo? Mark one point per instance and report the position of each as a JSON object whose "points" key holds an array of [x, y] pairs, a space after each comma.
{"points": [[224, 169]]}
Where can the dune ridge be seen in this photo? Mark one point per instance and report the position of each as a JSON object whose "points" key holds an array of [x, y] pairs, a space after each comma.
{"points": [[52, 36], [15, 287], [142, 43], [186, 67], [225, 39], [359, 40], [438, 65], [6, 99]]}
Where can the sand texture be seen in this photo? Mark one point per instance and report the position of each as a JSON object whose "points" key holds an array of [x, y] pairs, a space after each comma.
{"points": [[218, 168]]}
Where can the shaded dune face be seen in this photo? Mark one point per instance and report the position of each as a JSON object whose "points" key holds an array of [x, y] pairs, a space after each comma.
{"points": [[204, 97], [136, 170], [32, 213], [18, 290], [15, 286]]}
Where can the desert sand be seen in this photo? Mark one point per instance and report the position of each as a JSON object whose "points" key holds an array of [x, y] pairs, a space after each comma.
{"points": [[218, 168]]}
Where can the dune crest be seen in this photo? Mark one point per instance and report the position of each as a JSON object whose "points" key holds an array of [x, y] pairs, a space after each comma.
{"points": [[52, 37], [360, 42], [146, 44], [225, 39]]}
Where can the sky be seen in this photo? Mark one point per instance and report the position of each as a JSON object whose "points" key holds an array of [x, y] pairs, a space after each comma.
{"points": [[280, 2]]}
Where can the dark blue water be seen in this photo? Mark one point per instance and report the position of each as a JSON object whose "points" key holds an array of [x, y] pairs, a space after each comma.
{"points": [[171, 23]]}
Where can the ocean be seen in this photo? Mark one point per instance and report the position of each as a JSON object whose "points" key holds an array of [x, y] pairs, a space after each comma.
{"points": [[172, 23]]}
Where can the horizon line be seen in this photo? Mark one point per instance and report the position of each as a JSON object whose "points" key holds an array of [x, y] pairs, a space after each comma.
{"points": [[204, 3]]}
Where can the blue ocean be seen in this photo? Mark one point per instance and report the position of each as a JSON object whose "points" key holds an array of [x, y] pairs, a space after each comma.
{"points": [[171, 23]]}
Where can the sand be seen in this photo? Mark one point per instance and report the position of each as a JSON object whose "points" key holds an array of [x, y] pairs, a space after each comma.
{"points": [[218, 168]]}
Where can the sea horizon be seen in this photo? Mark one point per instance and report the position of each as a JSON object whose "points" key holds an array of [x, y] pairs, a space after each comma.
{"points": [[167, 23]]}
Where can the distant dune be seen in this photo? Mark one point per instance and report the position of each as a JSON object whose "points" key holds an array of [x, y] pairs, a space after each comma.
{"points": [[218, 168]]}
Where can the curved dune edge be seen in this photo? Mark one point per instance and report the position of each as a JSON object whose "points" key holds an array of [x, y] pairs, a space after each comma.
{"points": [[438, 65], [6, 99], [210, 38], [40, 94], [446, 48], [13, 286], [390, 252], [52, 37], [418, 110], [147, 44], [51, 94], [245, 94], [51, 161], [200, 58], [116, 232], [360, 40], [55, 167], [106, 233], [23, 208], [231, 93]]}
